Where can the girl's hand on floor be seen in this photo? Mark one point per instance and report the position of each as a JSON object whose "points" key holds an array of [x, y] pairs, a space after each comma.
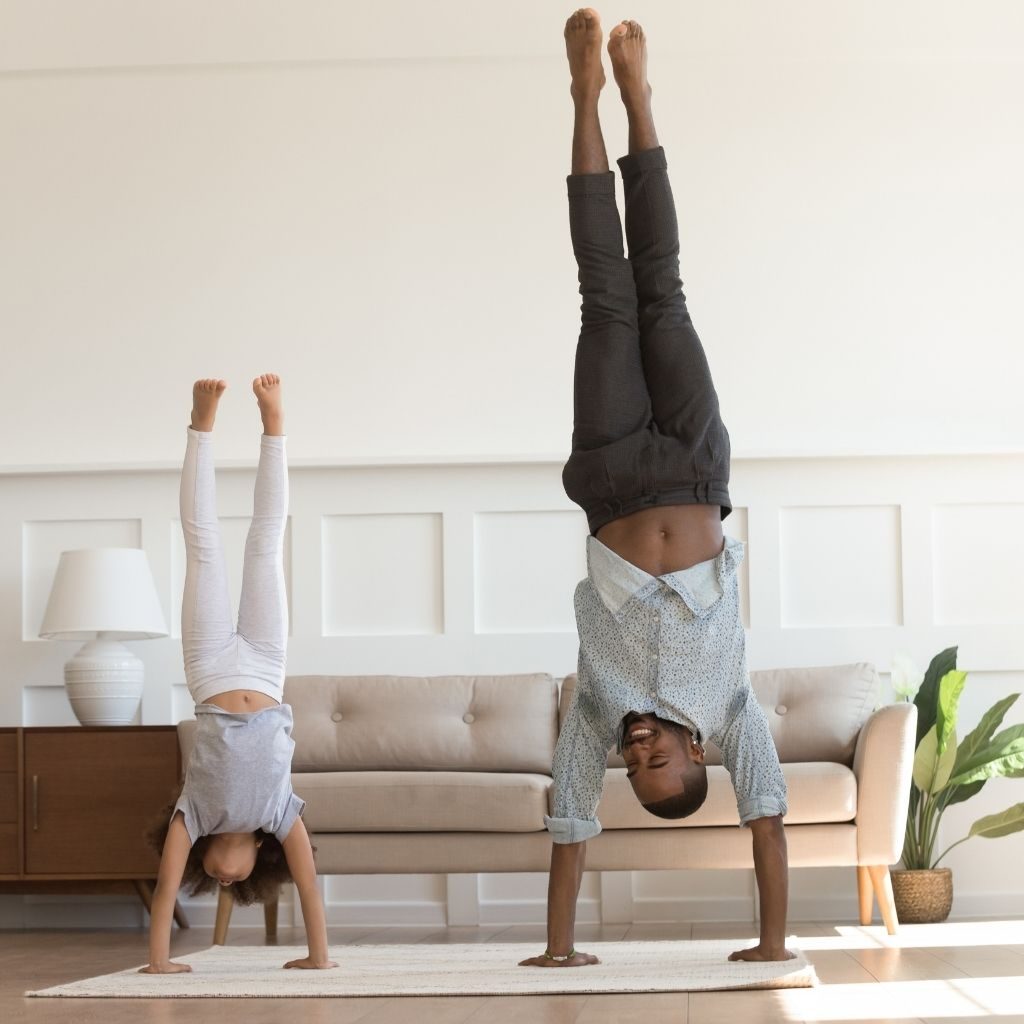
{"points": [[168, 968], [309, 964], [578, 960]]}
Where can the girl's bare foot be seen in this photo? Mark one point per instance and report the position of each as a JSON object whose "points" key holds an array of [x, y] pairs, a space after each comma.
{"points": [[627, 48], [583, 47], [267, 389], [205, 396]]}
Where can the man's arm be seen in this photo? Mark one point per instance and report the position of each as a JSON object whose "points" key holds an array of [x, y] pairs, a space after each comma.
{"points": [[567, 861], [299, 853], [172, 866], [771, 869], [748, 752]]}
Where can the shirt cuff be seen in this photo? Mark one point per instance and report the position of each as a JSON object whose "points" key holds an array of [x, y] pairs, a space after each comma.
{"points": [[296, 805], [572, 830], [761, 807]]}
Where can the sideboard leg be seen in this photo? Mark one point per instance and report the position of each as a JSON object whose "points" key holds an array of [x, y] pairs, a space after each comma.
{"points": [[270, 916], [179, 915]]}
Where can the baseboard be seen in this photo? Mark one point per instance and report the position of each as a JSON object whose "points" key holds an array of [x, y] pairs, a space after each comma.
{"points": [[651, 909], [94, 912]]}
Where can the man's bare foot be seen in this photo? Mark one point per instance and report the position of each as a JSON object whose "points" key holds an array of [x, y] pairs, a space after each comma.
{"points": [[205, 397], [267, 389], [627, 48], [583, 47]]}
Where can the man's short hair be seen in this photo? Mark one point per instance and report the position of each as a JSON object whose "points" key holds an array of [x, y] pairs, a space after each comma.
{"points": [[682, 805]]}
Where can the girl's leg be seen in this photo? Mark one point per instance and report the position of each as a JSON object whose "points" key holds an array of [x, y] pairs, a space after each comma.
{"points": [[206, 624], [263, 605], [683, 397], [611, 400]]}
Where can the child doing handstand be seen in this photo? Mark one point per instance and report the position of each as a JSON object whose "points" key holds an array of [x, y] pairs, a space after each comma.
{"points": [[237, 822]]}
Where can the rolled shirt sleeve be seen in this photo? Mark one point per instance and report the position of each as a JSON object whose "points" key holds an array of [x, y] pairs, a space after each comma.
{"points": [[749, 755], [581, 756], [292, 809]]}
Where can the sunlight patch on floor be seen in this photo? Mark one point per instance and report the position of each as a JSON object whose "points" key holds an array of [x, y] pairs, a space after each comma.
{"points": [[919, 936], [962, 997]]}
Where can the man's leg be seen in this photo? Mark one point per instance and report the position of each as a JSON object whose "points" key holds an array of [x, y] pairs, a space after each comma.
{"points": [[683, 397], [206, 623], [611, 400], [263, 604]]}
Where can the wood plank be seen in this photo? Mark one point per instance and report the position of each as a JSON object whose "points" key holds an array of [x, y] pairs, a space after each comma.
{"points": [[8, 798], [9, 849], [89, 796], [9, 751]]}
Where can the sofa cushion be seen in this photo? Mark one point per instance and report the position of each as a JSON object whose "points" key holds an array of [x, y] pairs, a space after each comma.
{"points": [[818, 792], [815, 714], [405, 723], [423, 801]]}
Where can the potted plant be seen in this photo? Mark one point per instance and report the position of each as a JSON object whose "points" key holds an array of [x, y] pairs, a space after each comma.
{"points": [[947, 772]]}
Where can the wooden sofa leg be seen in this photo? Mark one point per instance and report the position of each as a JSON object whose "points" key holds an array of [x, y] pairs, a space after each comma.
{"points": [[270, 916], [225, 904], [882, 884], [865, 894]]}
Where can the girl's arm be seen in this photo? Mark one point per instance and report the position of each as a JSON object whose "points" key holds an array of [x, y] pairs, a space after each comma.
{"points": [[299, 853], [172, 866]]}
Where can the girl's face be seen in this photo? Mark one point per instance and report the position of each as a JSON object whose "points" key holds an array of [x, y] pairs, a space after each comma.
{"points": [[230, 857]]}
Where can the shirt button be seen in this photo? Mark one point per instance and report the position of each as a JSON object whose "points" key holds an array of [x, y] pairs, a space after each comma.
{"points": [[468, 718], [781, 709], [337, 716]]}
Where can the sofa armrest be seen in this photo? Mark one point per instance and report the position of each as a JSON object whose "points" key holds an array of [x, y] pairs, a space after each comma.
{"points": [[883, 764]]}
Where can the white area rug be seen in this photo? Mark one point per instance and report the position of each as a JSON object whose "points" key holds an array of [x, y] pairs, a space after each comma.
{"points": [[447, 970]]}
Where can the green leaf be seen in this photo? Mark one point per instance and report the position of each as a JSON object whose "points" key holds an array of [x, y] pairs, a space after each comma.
{"points": [[1003, 756], [958, 794], [994, 825], [927, 696], [981, 734], [951, 685], [932, 769]]}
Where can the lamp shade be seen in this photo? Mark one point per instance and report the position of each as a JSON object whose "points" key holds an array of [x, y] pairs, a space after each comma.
{"points": [[103, 590]]}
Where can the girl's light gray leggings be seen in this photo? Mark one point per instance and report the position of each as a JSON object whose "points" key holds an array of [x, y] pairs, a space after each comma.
{"points": [[218, 655]]}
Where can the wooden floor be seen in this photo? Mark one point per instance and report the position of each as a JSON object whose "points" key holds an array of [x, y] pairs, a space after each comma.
{"points": [[959, 971]]}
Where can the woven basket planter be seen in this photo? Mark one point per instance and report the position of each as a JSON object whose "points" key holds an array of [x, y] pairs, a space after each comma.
{"points": [[923, 897]]}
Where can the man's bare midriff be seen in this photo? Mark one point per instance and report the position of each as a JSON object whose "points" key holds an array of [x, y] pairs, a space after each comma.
{"points": [[240, 701], [666, 538]]}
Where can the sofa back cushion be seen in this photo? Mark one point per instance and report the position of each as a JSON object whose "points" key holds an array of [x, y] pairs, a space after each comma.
{"points": [[412, 723], [815, 714]]}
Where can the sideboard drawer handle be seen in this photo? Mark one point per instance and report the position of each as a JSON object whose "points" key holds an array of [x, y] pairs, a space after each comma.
{"points": [[35, 803]]}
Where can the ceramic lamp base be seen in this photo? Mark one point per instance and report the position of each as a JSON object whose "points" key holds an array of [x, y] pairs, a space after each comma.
{"points": [[104, 683]]}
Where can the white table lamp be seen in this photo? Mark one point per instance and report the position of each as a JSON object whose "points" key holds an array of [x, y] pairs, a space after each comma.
{"points": [[104, 595]]}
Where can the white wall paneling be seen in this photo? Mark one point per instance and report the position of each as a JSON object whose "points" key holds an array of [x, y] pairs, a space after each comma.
{"points": [[489, 554]]}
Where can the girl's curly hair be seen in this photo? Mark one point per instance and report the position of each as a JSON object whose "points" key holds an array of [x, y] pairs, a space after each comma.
{"points": [[268, 875]]}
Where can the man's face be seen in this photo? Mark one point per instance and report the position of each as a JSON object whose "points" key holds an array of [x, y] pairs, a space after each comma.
{"points": [[658, 756]]}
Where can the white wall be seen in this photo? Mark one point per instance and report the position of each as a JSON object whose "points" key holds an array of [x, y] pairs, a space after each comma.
{"points": [[371, 202]]}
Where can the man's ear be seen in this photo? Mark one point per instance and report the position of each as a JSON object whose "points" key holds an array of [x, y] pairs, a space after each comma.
{"points": [[696, 751]]}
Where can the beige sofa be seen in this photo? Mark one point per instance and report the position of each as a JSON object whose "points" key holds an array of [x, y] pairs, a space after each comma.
{"points": [[453, 774]]}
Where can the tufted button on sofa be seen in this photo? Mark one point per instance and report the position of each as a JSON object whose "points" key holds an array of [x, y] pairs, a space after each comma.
{"points": [[407, 780]]}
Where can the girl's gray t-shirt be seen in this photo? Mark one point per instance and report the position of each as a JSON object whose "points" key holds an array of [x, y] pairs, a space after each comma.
{"points": [[239, 777]]}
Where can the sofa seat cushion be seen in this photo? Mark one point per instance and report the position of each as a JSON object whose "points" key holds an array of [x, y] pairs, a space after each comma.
{"points": [[819, 792], [423, 801]]}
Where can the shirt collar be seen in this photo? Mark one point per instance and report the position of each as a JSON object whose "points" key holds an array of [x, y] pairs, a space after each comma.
{"points": [[617, 580]]}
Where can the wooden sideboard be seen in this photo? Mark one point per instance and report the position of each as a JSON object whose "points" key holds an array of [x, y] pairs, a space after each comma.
{"points": [[75, 803]]}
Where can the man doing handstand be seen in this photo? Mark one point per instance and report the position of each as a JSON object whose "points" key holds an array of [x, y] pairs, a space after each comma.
{"points": [[662, 666]]}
